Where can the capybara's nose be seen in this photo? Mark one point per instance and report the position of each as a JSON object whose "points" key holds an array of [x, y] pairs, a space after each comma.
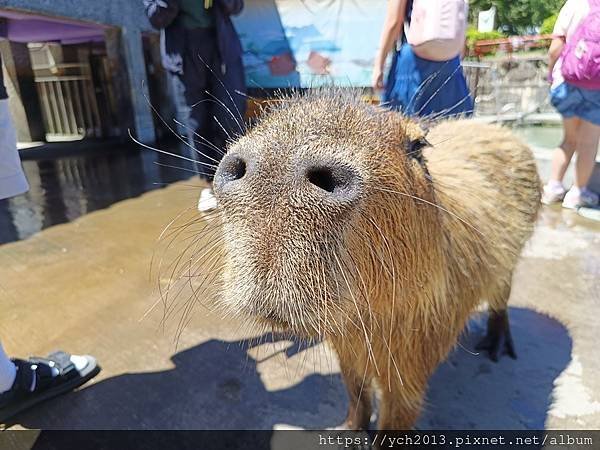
{"points": [[332, 181], [335, 181]]}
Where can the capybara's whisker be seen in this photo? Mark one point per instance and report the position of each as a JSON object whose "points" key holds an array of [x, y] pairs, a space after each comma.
{"points": [[173, 131], [204, 141], [229, 138], [220, 102], [239, 113], [438, 90], [185, 169], [364, 328], [169, 309], [420, 91], [190, 264], [169, 153]]}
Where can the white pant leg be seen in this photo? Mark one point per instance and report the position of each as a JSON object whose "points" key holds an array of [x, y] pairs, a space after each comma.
{"points": [[12, 178], [8, 371]]}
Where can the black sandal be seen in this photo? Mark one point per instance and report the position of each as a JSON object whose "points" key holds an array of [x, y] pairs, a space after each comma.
{"points": [[40, 379]]}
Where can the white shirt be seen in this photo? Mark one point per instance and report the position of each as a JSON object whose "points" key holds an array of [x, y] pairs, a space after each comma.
{"points": [[12, 178], [570, 15]]}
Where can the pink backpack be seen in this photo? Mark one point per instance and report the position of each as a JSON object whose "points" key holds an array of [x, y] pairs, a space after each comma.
{"points": [[437, 28], [581, 55]]}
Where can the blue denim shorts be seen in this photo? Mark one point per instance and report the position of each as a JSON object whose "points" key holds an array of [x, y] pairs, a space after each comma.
{"points": [[573, 101]]}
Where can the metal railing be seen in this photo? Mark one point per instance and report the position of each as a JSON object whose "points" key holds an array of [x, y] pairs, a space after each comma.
{"points": [[69, 104]]}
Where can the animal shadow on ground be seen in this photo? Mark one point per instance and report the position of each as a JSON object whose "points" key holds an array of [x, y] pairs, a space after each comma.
{"points": [[469, 391], [216, 386]]}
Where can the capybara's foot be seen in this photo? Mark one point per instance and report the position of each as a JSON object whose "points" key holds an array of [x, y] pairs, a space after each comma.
{"points": [[498, 338], [357, 422], [347, 425]]}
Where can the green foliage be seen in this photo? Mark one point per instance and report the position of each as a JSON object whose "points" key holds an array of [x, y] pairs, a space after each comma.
{"points": [[517, 16], [548, 24], [473, 36]]}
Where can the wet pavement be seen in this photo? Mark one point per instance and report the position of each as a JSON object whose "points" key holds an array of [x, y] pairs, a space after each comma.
{"points": [[75, 273], [68, 180]]}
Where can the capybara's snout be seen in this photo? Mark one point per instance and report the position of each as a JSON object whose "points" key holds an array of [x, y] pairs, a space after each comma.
{"points": [[308, 175]]}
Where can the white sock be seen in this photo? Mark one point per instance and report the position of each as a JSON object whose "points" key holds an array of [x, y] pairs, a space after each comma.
{"points": [[555, 185], [575, 190], [8, 372]]}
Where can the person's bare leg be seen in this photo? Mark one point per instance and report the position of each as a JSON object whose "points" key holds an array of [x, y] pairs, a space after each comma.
{"points": [[563, 154], [587, 148], [554, 191]]}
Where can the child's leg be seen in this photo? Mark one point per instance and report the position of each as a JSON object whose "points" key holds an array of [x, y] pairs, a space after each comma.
{"points": [[554, 190], [564, 153], [587, 148]]}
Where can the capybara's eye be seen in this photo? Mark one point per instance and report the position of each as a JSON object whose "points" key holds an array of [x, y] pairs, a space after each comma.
{"points": [[415, 147]]}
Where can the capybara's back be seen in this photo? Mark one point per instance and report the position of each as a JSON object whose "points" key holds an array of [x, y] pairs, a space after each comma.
{"points": [[488, 182], [341, 222]]}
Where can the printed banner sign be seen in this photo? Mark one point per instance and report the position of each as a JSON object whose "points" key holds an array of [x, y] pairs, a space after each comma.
{"points": [[308, 43]]}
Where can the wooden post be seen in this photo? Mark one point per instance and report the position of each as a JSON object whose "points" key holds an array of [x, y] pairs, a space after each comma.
{"points": [[127, 72]]}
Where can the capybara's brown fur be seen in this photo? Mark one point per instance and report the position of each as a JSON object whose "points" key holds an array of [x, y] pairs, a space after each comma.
{"points": [[334, 230]]}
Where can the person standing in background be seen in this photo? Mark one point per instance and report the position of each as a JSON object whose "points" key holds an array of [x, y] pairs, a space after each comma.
{"points": [[201, 47], [575, 93], [426, 77], [25, 383]]}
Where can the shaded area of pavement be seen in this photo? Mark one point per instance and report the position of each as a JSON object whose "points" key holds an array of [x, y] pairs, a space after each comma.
{"points": [[86, 286], [471, 392], [214, 385], [217, 385]]}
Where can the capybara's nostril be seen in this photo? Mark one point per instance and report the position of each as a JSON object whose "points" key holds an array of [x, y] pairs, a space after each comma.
{"points": [[322, 177], [340, 181], [233, 167]]}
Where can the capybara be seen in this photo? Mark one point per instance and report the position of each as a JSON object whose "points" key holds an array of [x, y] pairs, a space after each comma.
{"points": [[346, 222]]}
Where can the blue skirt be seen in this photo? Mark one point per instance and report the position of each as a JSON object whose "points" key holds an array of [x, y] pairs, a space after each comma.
{"points": [[572, 101], [419, 87]]}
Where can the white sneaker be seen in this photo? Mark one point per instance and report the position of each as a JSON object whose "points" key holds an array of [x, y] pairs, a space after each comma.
{"points": [[576, 198], [207, 201], [553, 193]]}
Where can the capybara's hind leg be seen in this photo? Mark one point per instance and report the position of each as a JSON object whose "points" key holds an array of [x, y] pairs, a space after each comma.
{"points": [[360, 397], [397, 412], [498, 338]]}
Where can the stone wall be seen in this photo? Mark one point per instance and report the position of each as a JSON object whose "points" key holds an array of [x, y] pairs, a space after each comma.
{"points": [[509, 86], [120, 13]]}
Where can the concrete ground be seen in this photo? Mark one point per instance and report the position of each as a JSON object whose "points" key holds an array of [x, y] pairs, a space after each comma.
{"points": [[86, 285]]}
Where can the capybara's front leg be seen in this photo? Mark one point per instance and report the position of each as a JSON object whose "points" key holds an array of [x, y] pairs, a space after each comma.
{"points": [[398, 410], [360, 396]]}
